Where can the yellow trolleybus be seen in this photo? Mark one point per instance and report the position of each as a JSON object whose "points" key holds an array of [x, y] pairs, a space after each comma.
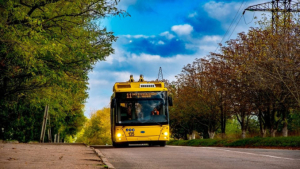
{"points": [[139, 113]]}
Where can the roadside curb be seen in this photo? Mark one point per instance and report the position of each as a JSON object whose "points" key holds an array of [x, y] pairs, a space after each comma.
{"points": [[105, 161]]}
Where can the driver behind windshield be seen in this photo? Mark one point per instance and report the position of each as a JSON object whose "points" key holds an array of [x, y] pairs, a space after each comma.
{"points": [[155, 111]]}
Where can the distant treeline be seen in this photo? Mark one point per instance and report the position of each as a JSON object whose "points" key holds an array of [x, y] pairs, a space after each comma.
{"points": [[96, 130], [254, 81], [47, 49]]}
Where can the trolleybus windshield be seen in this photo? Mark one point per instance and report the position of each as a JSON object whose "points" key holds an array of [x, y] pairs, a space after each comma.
{"points": [[141, 108]]}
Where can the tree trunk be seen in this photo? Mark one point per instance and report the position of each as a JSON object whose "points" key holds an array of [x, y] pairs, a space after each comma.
{"points": [[285, 123], [284, 130], [262, 125], [263, 133], [194, 135], [243, 133], [211, 134], [273, 132], [190, 135], [223, 122], [243, 124]]}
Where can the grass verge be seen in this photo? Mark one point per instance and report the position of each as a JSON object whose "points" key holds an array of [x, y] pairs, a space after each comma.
{"points": [[248, 142]]}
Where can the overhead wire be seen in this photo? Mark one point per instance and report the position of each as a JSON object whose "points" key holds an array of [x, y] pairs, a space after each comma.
{"points": [[238, 23], [251, 20], [235, 26], [231, 24]]}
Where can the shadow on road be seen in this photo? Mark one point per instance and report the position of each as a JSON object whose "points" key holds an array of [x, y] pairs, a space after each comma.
{"points": [[130, 146]]}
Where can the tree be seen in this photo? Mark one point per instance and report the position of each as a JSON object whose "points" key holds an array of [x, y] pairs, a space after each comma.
{"points": [[97, 128], [254, 77], [47, 48]]}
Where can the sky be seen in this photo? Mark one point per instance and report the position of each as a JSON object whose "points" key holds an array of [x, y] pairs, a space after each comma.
{"points": [[164, 33]]}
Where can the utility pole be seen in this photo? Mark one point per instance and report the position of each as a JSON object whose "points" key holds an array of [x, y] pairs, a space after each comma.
{"points": [[285, 7], [160, 75], [44, 124], [281, 24], [49, 130]]}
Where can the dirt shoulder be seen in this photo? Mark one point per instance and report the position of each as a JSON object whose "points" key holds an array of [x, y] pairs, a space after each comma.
{"points": [[48, 156]]}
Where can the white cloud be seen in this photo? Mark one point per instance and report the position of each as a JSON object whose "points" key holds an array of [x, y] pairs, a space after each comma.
{"points": [[145, 57], [157, 43], [207, 48], [97, 82], [221, 10], [140, 36], [116, 56], [185, 29], [120, 76], [136, 36], [167, 34], [192, 15], [161, 42], [125, 4], [95, 103], [214, 38]]}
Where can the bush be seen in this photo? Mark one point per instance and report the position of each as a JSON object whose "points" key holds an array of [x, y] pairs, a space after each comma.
{"points": [[249, 142]]}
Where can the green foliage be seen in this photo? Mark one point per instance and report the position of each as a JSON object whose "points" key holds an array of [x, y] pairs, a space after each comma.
{"points": [[249, 142], [47, 49], [233, 127], [97, 129], [199, 142], [269, 141], [294, 121]]}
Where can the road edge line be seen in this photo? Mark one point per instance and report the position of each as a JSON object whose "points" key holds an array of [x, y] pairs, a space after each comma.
{"points": [[103, 158]]}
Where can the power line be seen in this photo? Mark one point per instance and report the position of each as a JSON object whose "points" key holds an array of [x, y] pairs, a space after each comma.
{"points": [[230, 25], [250, 21], [235, 26]]}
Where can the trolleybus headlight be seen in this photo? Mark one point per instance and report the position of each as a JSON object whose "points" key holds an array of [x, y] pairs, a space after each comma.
{"points": [[166, 133], [119, 135]]}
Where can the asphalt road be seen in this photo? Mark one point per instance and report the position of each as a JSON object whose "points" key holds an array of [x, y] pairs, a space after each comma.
{"points": [[200, 157]]}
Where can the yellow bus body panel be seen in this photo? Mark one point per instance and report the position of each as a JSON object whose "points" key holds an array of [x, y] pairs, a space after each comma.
{"points": [[142, 133], [135, 87]]}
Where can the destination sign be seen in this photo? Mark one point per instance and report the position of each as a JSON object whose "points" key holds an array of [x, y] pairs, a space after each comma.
{"points": [[141, 95]]}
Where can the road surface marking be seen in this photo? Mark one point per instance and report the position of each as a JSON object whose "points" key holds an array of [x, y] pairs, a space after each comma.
{"points": [[252, 153], [242, 152]]}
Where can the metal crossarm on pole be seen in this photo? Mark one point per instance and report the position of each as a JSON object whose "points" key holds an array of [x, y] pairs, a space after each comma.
{"points": [[285, 7]]}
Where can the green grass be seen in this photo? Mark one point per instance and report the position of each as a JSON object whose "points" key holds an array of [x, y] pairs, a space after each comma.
{"points": [[249, 142], [268, 141]]}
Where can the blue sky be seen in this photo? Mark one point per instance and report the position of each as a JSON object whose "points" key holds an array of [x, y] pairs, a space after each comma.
{"points": [[167, 34]]}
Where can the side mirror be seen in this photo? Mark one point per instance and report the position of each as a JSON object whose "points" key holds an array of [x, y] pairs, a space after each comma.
{"points": [[113, 103], [170, 101]]}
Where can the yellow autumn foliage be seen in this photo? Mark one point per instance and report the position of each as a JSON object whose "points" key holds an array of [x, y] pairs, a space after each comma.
{"points": [[97, 129]]}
